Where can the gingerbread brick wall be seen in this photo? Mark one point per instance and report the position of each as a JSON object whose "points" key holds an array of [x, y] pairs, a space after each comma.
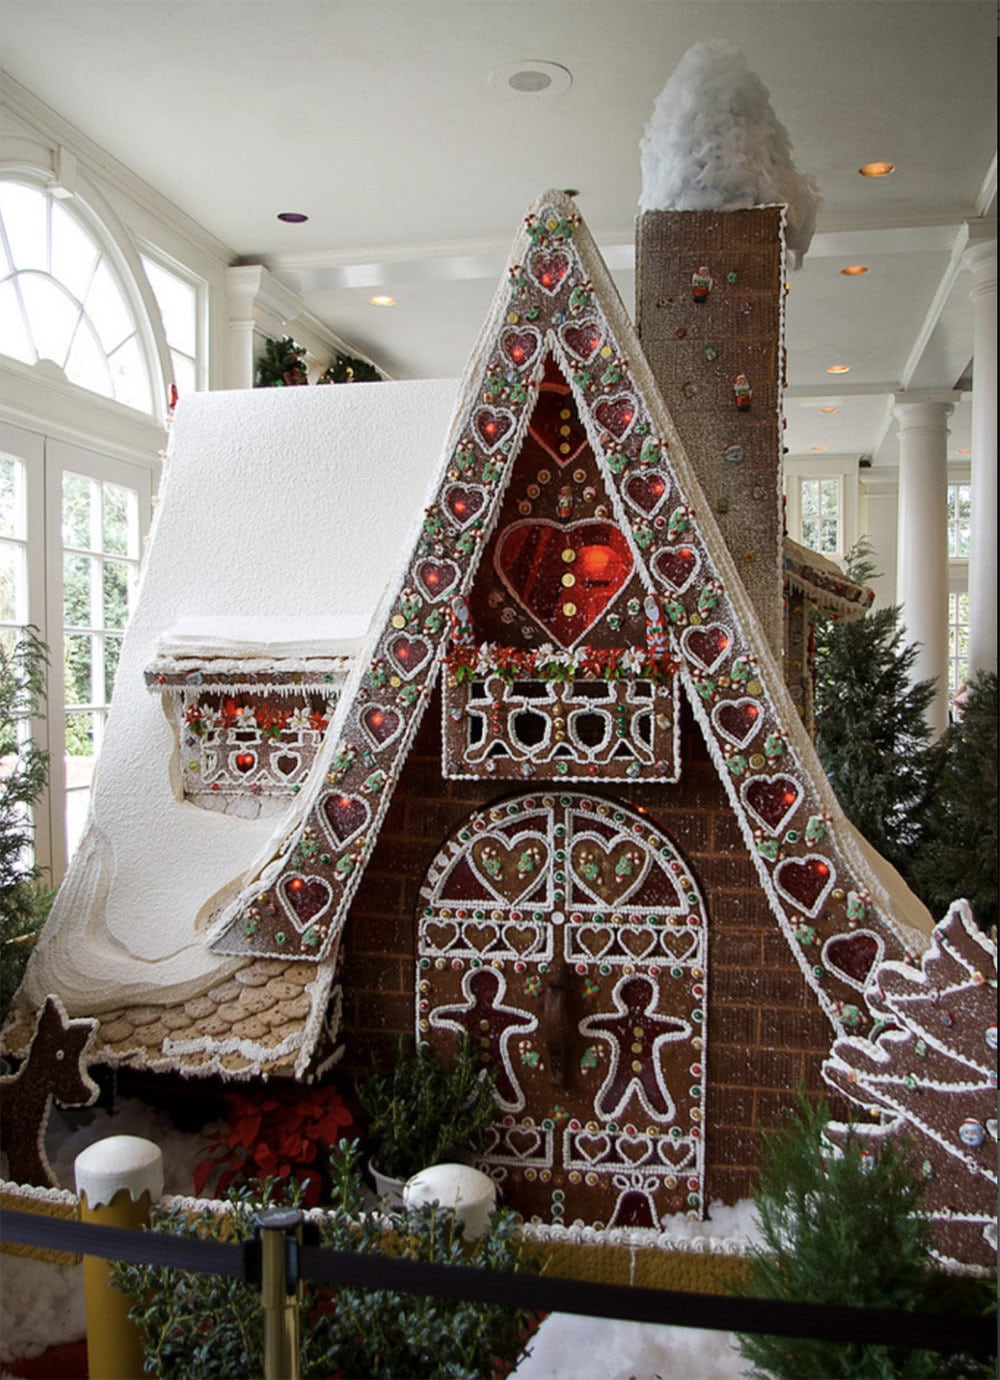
{"points": [[765, 1031]]}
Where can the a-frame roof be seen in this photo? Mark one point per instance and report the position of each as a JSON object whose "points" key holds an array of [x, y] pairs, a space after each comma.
{"points": [[839, 916]]}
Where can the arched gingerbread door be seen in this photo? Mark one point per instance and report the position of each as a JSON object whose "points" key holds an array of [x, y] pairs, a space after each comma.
{"points": [[567, 935]]}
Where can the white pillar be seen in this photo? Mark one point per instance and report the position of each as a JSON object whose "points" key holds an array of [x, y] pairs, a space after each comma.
{"points": [[879, 515], [260, 306], [922, 537], [981, 260]]}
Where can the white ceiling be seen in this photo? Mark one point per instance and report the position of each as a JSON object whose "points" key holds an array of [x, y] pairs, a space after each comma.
{"points": [[378, 118]]}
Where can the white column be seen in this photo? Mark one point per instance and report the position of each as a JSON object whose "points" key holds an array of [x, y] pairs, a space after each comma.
{"points": [[922, 537], [879, 515], [260, 306], [981, 260]]}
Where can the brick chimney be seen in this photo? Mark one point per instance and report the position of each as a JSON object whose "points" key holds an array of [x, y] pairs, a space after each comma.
{"points": [[709, 312]]}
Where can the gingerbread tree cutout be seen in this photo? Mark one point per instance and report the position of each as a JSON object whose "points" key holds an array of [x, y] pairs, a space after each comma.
{"points": [[55, 1070], [930, 1076]]}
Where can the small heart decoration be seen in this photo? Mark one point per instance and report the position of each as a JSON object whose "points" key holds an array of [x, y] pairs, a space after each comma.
{"points": [[772, 800], [679, 944], [648, 492], [492, 425], [439, 935], [463, 503], [381, 724], [617, 415], [285, 765], [304, 898], [344, 816], [501, 866], [521, 938], [435, 579], [582, 339], [854, 956], [480, 936], [407, 654], [634, 1149], [806, 882], [676, 566], [244, 762], [530, 561], [707, 646], [738, 721], [549, 270], [592, 1147], [520, 345], [595, 939], [619, 873], [637, 941], [523, 1141], [674, 1153]]}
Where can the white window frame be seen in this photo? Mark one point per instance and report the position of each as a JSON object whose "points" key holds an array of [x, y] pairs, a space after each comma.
{"points": [[46, 460], [844, 469]]}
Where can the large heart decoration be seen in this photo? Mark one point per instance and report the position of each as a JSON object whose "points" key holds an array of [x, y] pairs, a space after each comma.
{"points": [[435, 578], [492, 425], [617, 415], [647, 491], [304, 899], [772, 800], [582, 339], [510, 871], [407, 654], [854, 956], [464, 503], [344, 816], [707, 646], [738, 721], [676, 566], [564, 575], [805, 881], [549, 270], [381, 724], [608, 873], [520, 345]]}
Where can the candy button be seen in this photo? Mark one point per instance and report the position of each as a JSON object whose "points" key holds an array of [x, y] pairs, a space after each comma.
{"points": [[569, 610], [398, 621], [568, 554], [564, 414], [636, 1066], [564, 448], [569, 580]]}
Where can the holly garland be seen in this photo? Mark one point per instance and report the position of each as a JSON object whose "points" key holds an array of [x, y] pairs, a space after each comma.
{"points": [[299, 904], [350, 369], [283, 365]]}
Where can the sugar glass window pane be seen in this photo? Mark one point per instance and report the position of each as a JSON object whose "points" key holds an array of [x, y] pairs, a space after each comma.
{"points": [[116, 522], [53, 315], [24, 219], [80, 496], [177, 301], [810, 499], [963, 608], [78, 671], [831, 497], [810, 533], [830, 539], [115, 587], [74, 253], [78, 574], [108, 309], [80, 734], [86, 365], [128, 370], [13, 337]]}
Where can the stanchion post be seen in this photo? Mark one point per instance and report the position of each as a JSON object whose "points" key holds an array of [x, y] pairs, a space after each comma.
{"points": [[118, 1179], [280, 1233]]}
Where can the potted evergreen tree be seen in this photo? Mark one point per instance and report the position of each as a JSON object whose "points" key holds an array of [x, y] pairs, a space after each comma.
{"points": [[421, 1112]]}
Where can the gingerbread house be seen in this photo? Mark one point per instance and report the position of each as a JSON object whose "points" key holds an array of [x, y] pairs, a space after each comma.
{"points": [[550, 789]]}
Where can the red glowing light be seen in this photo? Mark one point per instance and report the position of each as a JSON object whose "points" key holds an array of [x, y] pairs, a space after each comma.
{"points": [[344, 802], [517, 353], [789, 797], [546, 280], [685, 553], [403, 652], [432, 577], [658, 486], [377, 717], [459, 505], [753, 711], [489, 428], [599, 563], [296, 884], [821, 869]]}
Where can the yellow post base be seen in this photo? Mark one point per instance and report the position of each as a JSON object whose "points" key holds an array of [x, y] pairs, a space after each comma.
{"points": [[114, 1347]]}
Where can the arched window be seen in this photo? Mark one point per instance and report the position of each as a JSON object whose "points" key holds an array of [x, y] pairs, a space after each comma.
{"points": [[65, 304]]}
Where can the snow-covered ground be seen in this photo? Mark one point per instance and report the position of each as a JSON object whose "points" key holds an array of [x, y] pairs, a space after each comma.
{"points": [[41, 1305]]}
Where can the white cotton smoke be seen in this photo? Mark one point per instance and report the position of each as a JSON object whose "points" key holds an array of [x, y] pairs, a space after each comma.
{"points": [[713, 143]]}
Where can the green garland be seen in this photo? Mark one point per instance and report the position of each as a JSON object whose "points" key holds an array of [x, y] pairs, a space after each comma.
{"points": [[348, 369], [283, 365]]}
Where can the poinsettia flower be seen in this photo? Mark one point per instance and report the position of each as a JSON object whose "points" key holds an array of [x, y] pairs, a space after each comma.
{"points": [[299, 719]]}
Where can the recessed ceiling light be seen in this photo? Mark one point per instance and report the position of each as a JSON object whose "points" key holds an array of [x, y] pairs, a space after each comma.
{"points": [[571, 191], [853, 271], [292, 217], [829, 409], [839, 369], [876, 169], [821, 447], [966, 451], [381, 300], [532, 77]]}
